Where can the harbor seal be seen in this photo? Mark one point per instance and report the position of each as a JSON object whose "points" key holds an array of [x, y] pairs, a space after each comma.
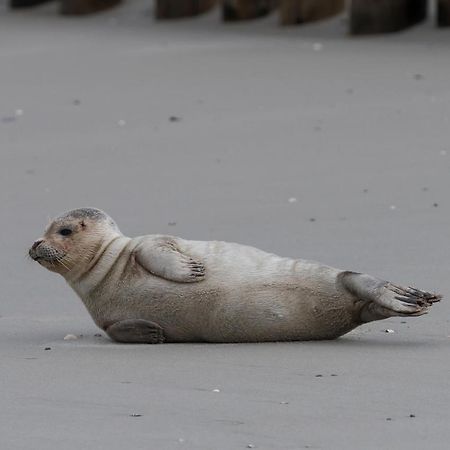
{"points": [[157, 288]]}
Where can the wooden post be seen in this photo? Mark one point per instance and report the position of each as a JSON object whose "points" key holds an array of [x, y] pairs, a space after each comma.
{"points": [[443, 13], [15, 4], [384, 16], [174, 9], [233, 10], [83, 7], [299, 11]]}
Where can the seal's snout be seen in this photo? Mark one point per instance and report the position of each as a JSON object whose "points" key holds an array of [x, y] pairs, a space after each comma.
{"points": [[33, 250], [36, 244]]}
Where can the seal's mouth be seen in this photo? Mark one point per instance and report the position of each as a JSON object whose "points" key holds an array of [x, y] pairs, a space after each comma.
{"points": [[46, 254]]}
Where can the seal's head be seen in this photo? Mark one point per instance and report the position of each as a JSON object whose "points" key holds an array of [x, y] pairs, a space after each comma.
{"points": [[73, 239]]}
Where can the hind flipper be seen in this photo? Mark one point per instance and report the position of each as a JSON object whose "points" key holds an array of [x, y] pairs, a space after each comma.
{"points": [[384, 299]]}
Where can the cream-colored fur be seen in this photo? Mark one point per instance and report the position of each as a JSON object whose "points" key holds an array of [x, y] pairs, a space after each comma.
{"points": [[198, 291]]}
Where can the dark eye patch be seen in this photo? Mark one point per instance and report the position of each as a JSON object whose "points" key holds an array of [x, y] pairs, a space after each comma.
{"points": [[65, 231]]}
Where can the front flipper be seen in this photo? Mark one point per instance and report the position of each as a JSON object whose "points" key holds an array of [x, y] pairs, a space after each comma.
{"points": [[164, 259], [136, 331], [384, 299]]}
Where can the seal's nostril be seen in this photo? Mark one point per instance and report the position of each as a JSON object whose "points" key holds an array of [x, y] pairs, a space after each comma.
{"points": [[37, 243]]}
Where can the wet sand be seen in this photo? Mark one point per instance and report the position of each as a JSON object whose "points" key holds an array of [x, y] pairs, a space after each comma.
{"points": [[300, 141]]}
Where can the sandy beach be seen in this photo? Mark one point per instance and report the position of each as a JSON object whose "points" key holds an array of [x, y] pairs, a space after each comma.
{"points": [[300, 141]]}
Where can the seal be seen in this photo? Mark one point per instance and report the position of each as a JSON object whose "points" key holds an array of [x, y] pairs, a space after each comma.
{"points": [[156, 288]]}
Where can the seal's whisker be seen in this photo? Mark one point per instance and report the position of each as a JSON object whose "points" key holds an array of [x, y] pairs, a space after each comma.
{"points": [[59, 261]]}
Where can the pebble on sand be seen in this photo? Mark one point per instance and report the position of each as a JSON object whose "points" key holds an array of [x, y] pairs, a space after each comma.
{"points": [[292, 200], [388, 330], [216, 390], [317, 46], [70, 337]]}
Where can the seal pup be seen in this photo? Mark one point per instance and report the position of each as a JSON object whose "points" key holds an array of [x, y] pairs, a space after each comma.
{"points": [[156, 288]]}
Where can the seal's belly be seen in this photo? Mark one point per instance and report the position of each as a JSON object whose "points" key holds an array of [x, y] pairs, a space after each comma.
{"points": [[248, 295]]}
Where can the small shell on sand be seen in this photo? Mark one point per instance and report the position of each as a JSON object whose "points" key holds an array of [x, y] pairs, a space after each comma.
{"points": [[70, 337]]}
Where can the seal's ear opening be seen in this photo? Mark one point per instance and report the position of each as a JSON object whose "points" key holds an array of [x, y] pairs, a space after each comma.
{"points": [[83, 224]]}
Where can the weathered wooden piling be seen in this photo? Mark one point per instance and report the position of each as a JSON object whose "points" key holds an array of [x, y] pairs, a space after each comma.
{"points": [[15, 4], [233, 10], [83, 7], [174, 9], [294, 12], [385, 16], [443, 13]]}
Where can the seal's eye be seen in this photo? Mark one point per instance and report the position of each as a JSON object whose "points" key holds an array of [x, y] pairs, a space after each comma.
{"points": [[65, 231]]}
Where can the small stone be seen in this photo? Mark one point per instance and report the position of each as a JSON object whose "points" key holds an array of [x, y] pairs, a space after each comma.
{"points": [[435, 205], [284, 403], [216, 390], [47, 348], [135, 415], [424, 189], [418, 76], [174, 119], [172, 224], [319, 375], [19, 112], [349, 91], [292, 200], [392, 207], [121, 123], [97, 335], [334, 375], [365, 191], [76, 102], [70, 337], [388, 330], [181, 440], [317, 46], [250, 446], [312, 219], [388, 419], [412, 416]]}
